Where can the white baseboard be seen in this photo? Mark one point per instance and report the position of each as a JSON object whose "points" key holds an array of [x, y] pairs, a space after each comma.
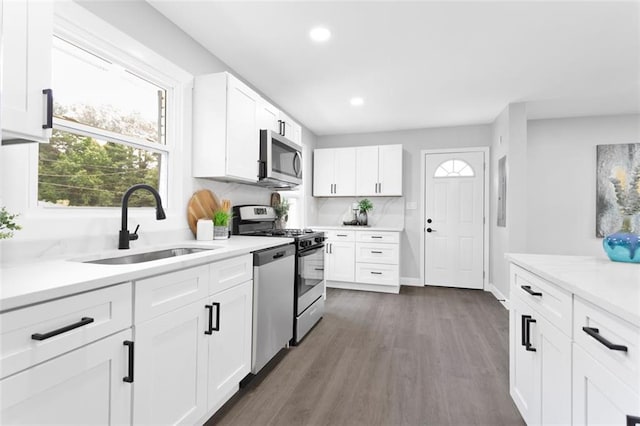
{"points": [[498, 295], [415, 282]]}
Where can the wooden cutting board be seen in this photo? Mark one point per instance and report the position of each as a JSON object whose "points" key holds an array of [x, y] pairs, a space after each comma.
{"points": [[201, 205]]}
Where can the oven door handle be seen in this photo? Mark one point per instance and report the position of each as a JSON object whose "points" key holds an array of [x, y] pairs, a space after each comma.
{"points": [[309, 252]]}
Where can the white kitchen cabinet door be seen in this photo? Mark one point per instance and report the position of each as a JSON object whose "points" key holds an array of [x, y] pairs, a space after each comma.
{"points": [[27, 28], [340, 261], [522, 362], [344, 172], [290, 129], [170, 367], [390, 170], [81, 387], [268, 116], [323, 172], [230, 342], [243, 138], [367, 170], [599, 397]]}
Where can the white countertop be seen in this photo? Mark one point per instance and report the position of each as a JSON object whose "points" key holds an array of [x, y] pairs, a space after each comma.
{"points": [[613, 286], [26, 284], [358, 228]]}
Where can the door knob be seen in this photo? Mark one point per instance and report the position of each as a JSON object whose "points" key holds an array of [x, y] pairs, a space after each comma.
{"points": [[431, 230], [429, 221]]}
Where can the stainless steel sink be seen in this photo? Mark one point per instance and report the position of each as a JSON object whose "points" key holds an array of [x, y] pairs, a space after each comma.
{"points": [[148, 256]]}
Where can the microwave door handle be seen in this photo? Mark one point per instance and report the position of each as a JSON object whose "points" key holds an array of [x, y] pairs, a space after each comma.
{"points": [[296, 164]]}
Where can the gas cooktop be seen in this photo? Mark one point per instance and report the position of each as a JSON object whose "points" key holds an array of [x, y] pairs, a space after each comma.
{"points": [[290, 233]]}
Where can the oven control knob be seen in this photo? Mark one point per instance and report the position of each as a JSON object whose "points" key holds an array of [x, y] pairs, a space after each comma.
{"points": [[319, 239]]}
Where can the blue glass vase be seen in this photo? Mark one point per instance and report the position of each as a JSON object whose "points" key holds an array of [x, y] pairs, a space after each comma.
{"points": [[624, 245]]}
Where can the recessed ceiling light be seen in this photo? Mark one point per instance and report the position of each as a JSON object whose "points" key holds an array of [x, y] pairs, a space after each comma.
{"points": [[320, 34], [356, 101]]}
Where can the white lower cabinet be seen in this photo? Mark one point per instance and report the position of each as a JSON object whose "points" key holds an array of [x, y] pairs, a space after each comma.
{"points": [[599, 397], [229, 358], [170, 365], [340, 261], [82, 387]]}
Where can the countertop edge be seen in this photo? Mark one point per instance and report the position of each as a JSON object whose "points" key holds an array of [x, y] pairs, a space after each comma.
{"points": [[521, 260], [358, 228], [12, 296]]}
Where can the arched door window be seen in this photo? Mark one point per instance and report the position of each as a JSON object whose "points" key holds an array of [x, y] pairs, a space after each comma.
{"points": [[454, 168]]}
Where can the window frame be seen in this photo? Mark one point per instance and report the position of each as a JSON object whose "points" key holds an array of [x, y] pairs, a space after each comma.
{"points": [[80, 27]]}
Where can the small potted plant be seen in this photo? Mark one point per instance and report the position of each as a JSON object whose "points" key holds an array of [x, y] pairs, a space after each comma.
{"points": [[282, 213], [364, 205], [221, 224], [7, 224]]}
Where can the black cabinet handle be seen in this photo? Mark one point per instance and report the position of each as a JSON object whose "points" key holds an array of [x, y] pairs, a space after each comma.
{"points": [[319, 269], [376, 252], [527, 288], [523, 334], [376, 273], [341, 235], [129, 377], [529, 346], [210, 329], [595, 333], [49, 123], [526, 333], [217, 327], [633, 420], [376, 236], [45, 336], [280, 127]]}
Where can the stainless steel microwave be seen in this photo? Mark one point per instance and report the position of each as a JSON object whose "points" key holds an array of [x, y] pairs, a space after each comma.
{"points": [[280, 161]]}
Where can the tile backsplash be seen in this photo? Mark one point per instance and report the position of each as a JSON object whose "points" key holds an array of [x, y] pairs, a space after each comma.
{"points": [[387, 211]]}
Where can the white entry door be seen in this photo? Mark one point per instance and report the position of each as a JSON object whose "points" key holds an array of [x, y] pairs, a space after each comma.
{"points": [[454, 212]]}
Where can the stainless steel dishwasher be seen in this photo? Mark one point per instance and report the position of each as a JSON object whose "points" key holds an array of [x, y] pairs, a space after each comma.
{"points": [[273, 281]]}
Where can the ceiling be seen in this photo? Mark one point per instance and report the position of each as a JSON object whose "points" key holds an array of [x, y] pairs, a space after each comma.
{"points": [[422, 64]]}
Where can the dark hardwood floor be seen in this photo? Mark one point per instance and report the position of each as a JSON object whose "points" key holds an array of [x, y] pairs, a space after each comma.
{"points": [[428, 356]]}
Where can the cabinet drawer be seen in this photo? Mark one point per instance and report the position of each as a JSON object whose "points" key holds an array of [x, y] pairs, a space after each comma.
{"points": [[229, 272], [547, 299], [163, 293], [378, 237], [334, 235], [377, 253], [109, 308], [624, 364], [371, 273]]}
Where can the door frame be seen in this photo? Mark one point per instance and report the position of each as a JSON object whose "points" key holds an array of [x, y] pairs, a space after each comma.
{"points": [[486, 197]]}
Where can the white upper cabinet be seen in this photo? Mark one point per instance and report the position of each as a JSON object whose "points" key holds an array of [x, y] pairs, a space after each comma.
{"points": [[226, 138], [290, 129], [379, 170], [362, 171], [27, 102], [334, 172], [227, 118]]}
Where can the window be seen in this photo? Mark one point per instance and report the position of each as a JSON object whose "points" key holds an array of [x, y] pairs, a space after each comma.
{"points": [[454, 168], [109, 132]]}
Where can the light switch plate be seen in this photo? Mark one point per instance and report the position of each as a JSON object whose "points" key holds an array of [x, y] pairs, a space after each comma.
{"points": [[412, 205]]}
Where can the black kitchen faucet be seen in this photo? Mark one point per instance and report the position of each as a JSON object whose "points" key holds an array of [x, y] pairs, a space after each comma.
{"points": [[125, 237]]}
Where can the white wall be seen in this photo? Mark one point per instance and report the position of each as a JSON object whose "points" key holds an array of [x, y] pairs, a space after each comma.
{"points": [[509, 137], [413, 142], [562, 180]]}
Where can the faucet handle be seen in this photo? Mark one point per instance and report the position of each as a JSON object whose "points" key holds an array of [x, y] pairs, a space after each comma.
{"points": [[134, 236]]}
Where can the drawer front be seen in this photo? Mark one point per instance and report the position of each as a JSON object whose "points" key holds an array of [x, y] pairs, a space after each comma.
{"points": [[230, 272], [164, 293], [378, 237], [334, 235], [377, 253], [109, 308], [547, 299], [624, 364], [371, 273]]}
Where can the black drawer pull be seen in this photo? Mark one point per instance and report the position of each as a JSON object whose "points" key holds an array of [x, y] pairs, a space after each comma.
{"points": [[376, 273], [45, 336], [527, 288], [595, 333], [633, 420], [319, 269], [341, 235], [129, 377], [376, 252], [376, 236]]}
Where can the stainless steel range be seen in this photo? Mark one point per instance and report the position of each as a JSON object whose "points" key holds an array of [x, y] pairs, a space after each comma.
{"points": [[308, 306]]}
